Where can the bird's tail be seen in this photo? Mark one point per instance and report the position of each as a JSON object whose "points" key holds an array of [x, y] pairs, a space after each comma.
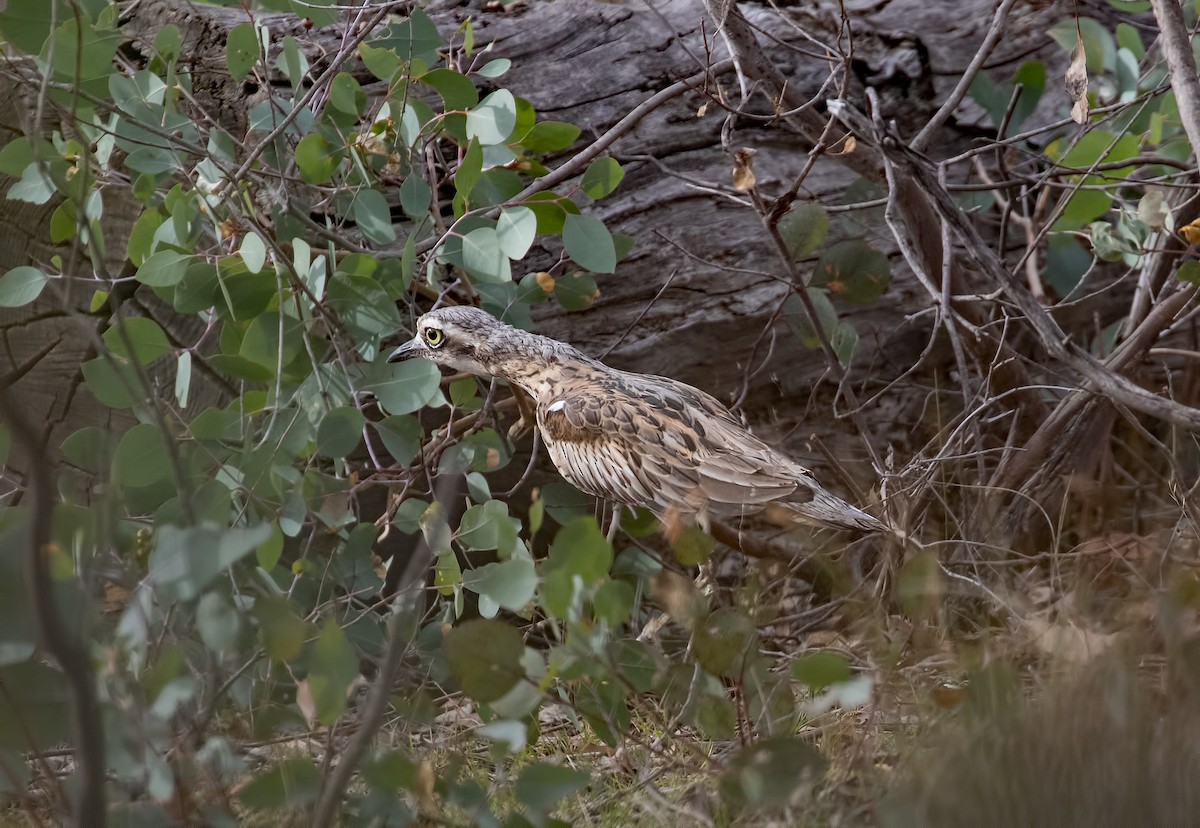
{"points": [[831, 512]]}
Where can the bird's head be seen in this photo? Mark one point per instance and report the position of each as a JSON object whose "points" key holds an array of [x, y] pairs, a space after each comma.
{"points": [[463, 338]]}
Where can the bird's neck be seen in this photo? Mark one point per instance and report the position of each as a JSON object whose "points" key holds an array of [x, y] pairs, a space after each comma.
{"points": [[538, 364]]}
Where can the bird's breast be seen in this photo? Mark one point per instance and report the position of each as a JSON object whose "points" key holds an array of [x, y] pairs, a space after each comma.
{"points": [[598, 468]]}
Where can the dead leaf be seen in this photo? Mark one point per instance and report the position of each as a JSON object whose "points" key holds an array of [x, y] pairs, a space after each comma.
{"points": [[1191, 232], [1153, 209], [679, 597], [1070, 643], [1077, 82], [849, 145], [304, 700], [703, 110], [743, 172], [545, 281]]}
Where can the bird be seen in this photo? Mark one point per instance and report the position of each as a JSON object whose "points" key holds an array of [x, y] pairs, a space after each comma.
{"points": [[633, 439]]}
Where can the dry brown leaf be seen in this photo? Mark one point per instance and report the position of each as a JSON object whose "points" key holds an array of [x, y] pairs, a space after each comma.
{"points": [[679, 597], [849, 145], [1068, 642], [1077, 82], [1191, 232], [304, 700], [743, 172]]}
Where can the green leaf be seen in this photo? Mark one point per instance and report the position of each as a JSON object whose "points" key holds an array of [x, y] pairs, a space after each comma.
{"points": [[692, 545], [487, 526], [495, 68], [382, 63], [770, 773], [317, 159], [82, 53], [456, 89], [798, 322], [401, 436], [21, 285], [113, 381], [509, 585], [602, 177], [331, 667], [603, 705], [483, 258], [613, 602], [853, 270], [269, 551], [1032, 77], [140, 458], [589, 243], [253, 251], [340, 432], [183, 378], [541, 786], [580, 549], [90, 448], [292, 783], [1189, 272], [217, 622], [34, 712], [550, 136], [169, 42], [844, 340], [416, 37], [576, 291], [415, 196], [26, 23], [165, 268], [485, 657], [1097, 41], [282, 632], [469, 170], [346, 95], [493, 120], [803, 228], [63, 223], [185, 561], [406, 386], [1107, 246], [292, 62], [816, 671], [373, 216], [241, 50], [724, 641], [634, 662], [919, 587], [516, 229], [137, 338]]}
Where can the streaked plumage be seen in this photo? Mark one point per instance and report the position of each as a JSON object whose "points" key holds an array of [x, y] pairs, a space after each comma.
{"points": [[635, 439]]}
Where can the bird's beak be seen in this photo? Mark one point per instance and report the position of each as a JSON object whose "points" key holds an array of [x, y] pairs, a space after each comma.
{"points": [[414, 347]]}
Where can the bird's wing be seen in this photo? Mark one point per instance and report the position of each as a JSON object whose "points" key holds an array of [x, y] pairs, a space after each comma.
{"points": [[732, 467], [655, 445], [609, 446]]}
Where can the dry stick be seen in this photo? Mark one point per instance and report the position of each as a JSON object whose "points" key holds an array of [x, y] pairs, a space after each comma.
{"points": [[1181, 63], [1052, 337], [376, 705], [578, 162], [964, 83], [53, 633]]}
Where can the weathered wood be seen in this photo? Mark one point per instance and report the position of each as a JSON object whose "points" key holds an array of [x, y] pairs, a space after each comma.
{"points": [[695, 297]]}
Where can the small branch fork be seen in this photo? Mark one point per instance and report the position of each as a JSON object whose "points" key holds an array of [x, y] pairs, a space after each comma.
{"points": [[1053, 339]]}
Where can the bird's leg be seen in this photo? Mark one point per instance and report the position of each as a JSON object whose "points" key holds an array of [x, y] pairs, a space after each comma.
{"points": [[527, 415], [614, 522]]}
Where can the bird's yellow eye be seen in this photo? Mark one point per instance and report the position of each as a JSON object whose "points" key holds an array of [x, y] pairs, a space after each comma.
{"points": [[434, 337]]}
